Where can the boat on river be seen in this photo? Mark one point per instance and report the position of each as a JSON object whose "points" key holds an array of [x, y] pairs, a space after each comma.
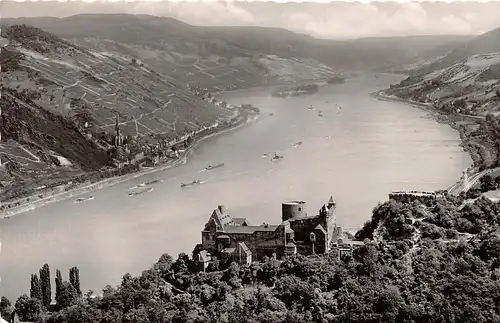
{"points": [[298, 144], [276, 157], [210, 167], [156, 181], [84, 199], [139, 192], [195, 182], [320, 114]]}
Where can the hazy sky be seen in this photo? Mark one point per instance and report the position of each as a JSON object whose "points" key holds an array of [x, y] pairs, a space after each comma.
{"points": [[327, 20]]}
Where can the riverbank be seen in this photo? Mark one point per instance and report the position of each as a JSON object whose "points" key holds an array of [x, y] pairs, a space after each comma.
{"points": [[472, 171], [245, 117]]}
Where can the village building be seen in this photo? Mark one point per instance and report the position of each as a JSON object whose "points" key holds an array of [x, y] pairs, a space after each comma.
{"points": [[234, 239]]}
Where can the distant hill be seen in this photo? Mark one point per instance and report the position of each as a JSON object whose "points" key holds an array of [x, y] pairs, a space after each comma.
{"points": [[173, 36], [483, 44], [470, 72]]}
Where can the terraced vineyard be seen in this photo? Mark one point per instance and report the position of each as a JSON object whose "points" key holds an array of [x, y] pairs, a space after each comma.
{"points": [[77, 95], [72, 93]]}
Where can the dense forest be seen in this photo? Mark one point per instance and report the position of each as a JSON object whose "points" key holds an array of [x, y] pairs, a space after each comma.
{"points": [[434, 262]]}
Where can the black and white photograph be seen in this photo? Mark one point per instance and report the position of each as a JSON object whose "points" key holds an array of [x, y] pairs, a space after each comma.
{"points": [[249, 161]]}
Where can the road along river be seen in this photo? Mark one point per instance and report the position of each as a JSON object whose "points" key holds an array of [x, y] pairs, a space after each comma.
{"points": [[359, 150]]}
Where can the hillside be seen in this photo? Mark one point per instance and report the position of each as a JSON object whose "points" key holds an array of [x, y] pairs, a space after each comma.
{"points": [[483, 44], [183, 52], [434, 261], [174, 46], [60, 103]]}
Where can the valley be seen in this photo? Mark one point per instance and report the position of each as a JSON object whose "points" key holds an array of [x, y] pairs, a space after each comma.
{"points": [[120, 92]]}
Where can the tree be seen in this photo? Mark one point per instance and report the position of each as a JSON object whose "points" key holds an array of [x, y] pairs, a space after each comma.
{"points": [[66, 296], [5, 308], [36, 289], [74, 279], [28, 309], [487, 183], [59, 282], [45, 285]]}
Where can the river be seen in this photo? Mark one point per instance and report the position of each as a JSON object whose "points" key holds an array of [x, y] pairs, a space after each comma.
{"points": [[357, 154]]}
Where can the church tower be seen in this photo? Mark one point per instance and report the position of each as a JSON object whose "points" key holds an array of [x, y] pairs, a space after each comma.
{"points": [[118, 135]]}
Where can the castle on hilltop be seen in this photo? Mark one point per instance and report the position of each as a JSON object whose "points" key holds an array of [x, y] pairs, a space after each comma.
{"points": [[228, 238]]}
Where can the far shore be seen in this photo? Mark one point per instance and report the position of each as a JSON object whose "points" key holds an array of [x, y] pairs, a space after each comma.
{"points": [[86, 188]]}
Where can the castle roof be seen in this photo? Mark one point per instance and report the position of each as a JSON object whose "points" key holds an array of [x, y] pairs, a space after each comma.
{"points": [[204, 256], [320, 227], [245, 248], [240, 221], [331, 201], [250, 229], [221, 218], [228, 250]]}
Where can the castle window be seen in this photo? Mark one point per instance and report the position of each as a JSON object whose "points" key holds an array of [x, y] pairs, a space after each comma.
{"points": [[300, 209]]}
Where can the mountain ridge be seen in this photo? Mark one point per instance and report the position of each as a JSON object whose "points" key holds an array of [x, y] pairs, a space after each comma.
{"points": [[341, 54]]}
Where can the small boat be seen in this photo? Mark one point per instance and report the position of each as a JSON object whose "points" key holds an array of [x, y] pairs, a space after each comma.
{"points": [[156, 181], [276, 157], [149, 189], [210, 167], [298, 144], [311, 108], [320, 114], [271, 114], [83, 199], [190, 184]]}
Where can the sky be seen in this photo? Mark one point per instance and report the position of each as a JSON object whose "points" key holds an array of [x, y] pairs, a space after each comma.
{"points": [[335, 20]]}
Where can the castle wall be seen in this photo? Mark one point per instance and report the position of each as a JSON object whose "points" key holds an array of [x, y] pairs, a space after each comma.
{"points": [[260, 243], [303, 227]]}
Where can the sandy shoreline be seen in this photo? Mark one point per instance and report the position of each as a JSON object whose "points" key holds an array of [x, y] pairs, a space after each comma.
{"points": [[471, 170], [108, 182]]}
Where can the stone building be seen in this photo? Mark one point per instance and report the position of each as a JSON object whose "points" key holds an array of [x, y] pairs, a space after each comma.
{"points": [[228, 238]]}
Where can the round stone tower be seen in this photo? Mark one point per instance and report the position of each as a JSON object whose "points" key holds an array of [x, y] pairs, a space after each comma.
{"points": [[293, 210]]}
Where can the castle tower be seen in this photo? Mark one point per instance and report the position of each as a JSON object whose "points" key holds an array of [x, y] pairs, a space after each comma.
{"points": [[293, 210], [329, 218], [332, 207]]}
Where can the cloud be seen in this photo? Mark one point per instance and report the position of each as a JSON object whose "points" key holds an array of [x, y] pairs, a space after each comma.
{"points": [[335, 19], [200, 13]]}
